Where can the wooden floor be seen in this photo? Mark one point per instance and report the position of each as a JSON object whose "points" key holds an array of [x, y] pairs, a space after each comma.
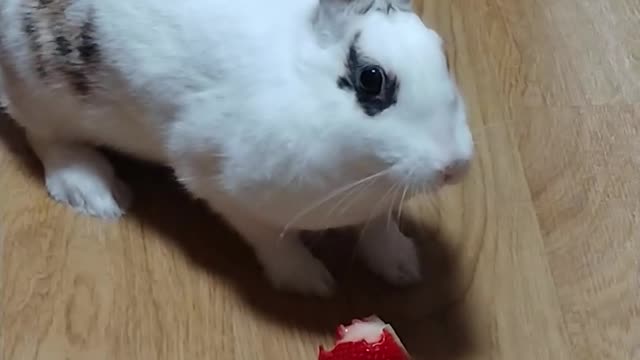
{"points": [[536, 256]]}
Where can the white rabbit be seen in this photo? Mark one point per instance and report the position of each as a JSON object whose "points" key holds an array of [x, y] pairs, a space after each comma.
{"points": [[283, 115]]}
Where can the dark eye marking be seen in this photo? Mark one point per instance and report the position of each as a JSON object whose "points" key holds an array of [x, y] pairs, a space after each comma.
{"points": [[375, 89]]}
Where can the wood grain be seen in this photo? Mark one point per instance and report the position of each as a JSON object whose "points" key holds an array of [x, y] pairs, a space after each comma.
{"points": [[535, 256]]}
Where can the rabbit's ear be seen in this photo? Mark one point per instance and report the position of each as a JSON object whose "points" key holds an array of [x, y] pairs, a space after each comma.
{"points": [[330, 19], [332, 16], [364, 6]]}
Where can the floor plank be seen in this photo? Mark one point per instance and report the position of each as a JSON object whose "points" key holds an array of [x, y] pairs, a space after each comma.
{"points": [[584, 178]]}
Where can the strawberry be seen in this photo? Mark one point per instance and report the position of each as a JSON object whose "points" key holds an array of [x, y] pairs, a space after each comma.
{"points": [[367, 339]]}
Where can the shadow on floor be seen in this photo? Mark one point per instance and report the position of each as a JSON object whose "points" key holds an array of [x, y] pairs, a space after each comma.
{"points": [[430, 319]]}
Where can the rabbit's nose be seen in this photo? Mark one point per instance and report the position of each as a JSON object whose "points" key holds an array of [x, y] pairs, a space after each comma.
{"points": [[455, 171]]}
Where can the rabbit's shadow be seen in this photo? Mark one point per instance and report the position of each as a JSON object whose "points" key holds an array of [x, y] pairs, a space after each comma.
{"points": [[428, 318]]}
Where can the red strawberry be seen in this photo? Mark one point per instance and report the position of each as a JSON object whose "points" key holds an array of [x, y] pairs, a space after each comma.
{"points": [[367, 339]]}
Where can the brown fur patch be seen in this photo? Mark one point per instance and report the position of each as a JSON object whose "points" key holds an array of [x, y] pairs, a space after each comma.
{"points": [[63, 43]]}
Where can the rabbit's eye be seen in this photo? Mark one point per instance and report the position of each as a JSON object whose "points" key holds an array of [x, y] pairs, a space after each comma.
{"points": [[372, 80]]}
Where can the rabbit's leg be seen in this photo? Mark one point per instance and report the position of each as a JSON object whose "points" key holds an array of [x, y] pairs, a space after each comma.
{"points": [[288, 264], [81, 177], [389, 253]]}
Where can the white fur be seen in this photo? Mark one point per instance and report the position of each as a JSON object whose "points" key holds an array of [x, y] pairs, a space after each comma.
{"points": [[389, 253], [241, 100]]}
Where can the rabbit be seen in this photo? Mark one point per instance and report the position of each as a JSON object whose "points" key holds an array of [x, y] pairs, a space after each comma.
{"points": [[283, 116]]}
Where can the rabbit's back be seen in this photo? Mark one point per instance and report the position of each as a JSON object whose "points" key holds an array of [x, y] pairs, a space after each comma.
{"points": [[115, 72]]}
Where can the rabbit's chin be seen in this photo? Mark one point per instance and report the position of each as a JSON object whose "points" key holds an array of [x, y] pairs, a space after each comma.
{"points": [[319, 211], [334, 214]]}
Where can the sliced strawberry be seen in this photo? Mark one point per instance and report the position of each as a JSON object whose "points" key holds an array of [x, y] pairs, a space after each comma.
{"points": [[367, 339]]}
